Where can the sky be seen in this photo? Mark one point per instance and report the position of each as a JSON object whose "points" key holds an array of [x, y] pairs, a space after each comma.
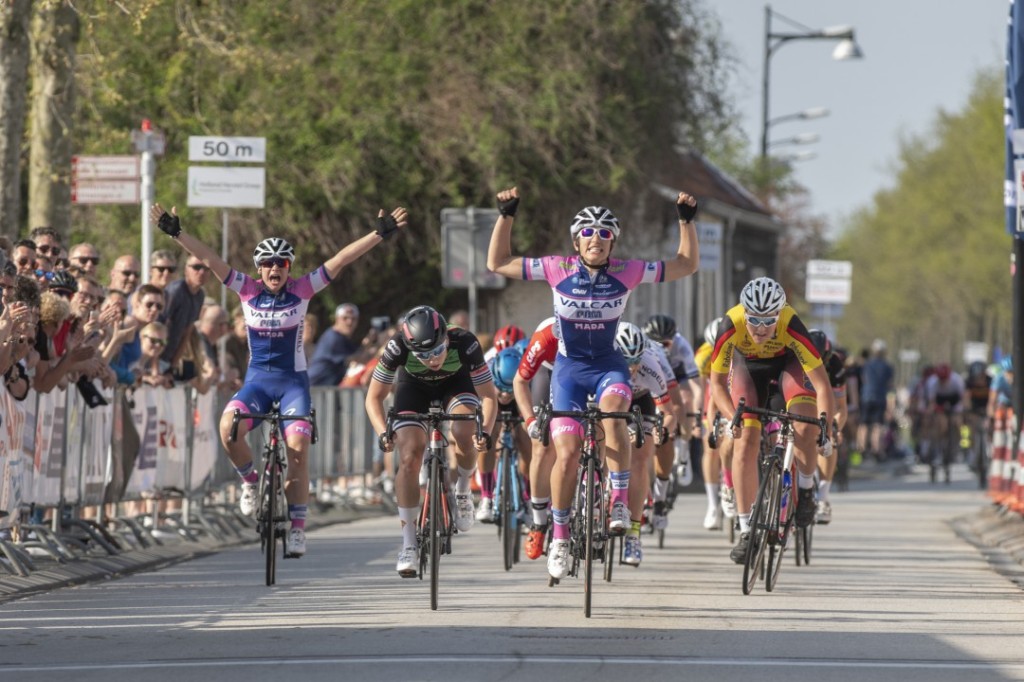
{"points": [[920, 58]]}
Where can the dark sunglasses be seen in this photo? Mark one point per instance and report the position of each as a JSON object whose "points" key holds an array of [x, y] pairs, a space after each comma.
{"points": [[761, 321], [153, 304], [271, 262], [95, 260], [603, 232], [22, 262], [48, 250], [156, 341], [46, 274], [431, 354], [198, 267], [164, 269], [129, 273]]}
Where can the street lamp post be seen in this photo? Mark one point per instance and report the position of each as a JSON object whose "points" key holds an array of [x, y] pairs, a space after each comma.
{"points": [[846, 49]]}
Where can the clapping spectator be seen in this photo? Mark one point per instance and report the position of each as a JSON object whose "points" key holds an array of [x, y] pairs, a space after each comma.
{"points": [[150, 369], [54, 368], [327, 368], [150, 305]]}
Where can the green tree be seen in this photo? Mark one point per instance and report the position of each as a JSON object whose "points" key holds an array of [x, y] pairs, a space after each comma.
{"points": [[931, 254]]}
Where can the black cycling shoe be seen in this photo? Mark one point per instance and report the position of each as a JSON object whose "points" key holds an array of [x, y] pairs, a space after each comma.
{"points": [[805, 507], [739, 552]]}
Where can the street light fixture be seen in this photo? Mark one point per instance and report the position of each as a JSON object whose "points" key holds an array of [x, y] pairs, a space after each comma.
{"points": [[846, 49], [805, 115], [802, 138]]}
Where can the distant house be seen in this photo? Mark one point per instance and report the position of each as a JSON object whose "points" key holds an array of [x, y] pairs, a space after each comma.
{"points": [[738, 241]]}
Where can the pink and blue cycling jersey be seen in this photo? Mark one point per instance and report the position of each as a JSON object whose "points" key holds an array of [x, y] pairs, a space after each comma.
{"points": [[276, 322], [587, 309]]}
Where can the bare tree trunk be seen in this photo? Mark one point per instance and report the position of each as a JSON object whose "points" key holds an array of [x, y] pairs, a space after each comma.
{"points": [[55, 31], [14, 20]]}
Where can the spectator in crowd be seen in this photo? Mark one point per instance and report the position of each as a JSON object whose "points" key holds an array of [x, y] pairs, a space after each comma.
{"points": [[149, 369], [49, 243], [85, 257], [162, 268], [122, 326], [65, 286], [459, 318], [44, 271], [24, 257], [124, 276], [237, 345], [150, 305], [184, 298], [327, 368], [8, 271], [53, 369], [362, 362], [17, 355], [214, 325], [876, 381]]}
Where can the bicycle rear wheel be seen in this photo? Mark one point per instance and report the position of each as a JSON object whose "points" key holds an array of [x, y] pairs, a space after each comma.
{"points": [[592, 494], [269, 524], [507, 507], [760, 521], [435, 525]]}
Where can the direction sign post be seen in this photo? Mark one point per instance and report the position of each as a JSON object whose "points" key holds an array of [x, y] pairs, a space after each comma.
{"points": [[465, 236]]}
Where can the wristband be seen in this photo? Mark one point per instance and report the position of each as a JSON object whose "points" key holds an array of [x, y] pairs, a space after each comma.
{"points": [[686, 212]]}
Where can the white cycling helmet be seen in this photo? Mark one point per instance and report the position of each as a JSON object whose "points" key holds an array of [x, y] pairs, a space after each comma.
{"points": [[630, 341], [273, 247], [594, 216], [763, 296]]}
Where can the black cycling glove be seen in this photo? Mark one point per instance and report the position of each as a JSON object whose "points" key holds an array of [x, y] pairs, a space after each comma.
{"points": [[170, 224], [387, 226], [686, 212], [508, 208]]}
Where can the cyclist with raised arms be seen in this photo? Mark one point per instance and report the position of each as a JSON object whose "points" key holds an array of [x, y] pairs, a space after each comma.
{"points": [[590, 291], [759, 341], [274, 306], [427, 360]]}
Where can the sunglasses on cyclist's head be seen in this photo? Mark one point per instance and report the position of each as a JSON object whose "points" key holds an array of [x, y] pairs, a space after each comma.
{"points": [[271, 262], [755, 321], [431, 354], [603, 232]]}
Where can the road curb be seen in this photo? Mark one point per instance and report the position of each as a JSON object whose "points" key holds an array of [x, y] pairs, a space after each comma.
{"points": [[998, 534]]}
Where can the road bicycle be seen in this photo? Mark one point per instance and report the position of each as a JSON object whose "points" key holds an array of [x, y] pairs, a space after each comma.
{"points": [[774, 512], [944, 446], [436, 522], [508, 490], [272, 512], [588, 521]]}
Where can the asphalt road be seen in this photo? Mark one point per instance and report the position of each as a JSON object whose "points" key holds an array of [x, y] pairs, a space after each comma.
{"points": [[892, 593]]}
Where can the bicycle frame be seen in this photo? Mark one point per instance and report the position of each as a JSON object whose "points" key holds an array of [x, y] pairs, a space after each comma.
{"points": [[508, 489]]}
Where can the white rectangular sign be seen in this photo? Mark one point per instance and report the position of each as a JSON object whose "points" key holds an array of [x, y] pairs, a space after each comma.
{"points": [[828, 290], [105, 192], [106, 167], [223, 149], [838, 269], [226, 186], [709, 236]]}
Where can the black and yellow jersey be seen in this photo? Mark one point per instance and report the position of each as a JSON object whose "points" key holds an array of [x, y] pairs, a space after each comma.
{"points": [[790, 335]]}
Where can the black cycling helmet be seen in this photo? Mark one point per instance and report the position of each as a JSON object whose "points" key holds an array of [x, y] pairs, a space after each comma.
{"points": [[423, 329], [821, 342], [62, 279], [660, 328]]}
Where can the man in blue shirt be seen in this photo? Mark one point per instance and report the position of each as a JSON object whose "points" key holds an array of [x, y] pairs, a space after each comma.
{"points": [[876, 382], [333, 348]]}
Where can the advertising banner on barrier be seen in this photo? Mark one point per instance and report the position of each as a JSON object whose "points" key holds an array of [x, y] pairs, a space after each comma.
{"points": [[11, 459], [48, 447], [205, 441], [147, 423], [171, 415], [95, 449], [76, 416]]}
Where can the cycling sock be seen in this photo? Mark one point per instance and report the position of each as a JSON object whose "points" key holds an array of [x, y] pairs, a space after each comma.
{"points": [[620, 486], [634, 528], [407, 515], [660, 489], [712, 491], [248, 472], [486, 484], [744, 523], [465, 476], [804, 481], [823, 489], [297, 513], [561, 527], [539, 509]]}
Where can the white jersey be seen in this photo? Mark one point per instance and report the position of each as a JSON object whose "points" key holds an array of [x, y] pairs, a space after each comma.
{"points": [[653, 375]]}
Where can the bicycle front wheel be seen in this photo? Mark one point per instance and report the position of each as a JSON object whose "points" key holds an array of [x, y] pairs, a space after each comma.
{"points": [[760, 524], [508, 520], [590, 496], [269, 525], [435, 527]]}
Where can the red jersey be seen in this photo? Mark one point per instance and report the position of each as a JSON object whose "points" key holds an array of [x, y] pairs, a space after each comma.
{"points": [[541, 351]]}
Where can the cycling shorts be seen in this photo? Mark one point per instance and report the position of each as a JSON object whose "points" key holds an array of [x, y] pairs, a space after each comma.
{"points": [[263, 388], [413, 395], [574, 380], [752, 379], [540, 388]]}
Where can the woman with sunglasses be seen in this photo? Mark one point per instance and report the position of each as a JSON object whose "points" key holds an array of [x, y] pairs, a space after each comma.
{"points": [[761, 341], [427, 360], [590, 292], [275, 306]]}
